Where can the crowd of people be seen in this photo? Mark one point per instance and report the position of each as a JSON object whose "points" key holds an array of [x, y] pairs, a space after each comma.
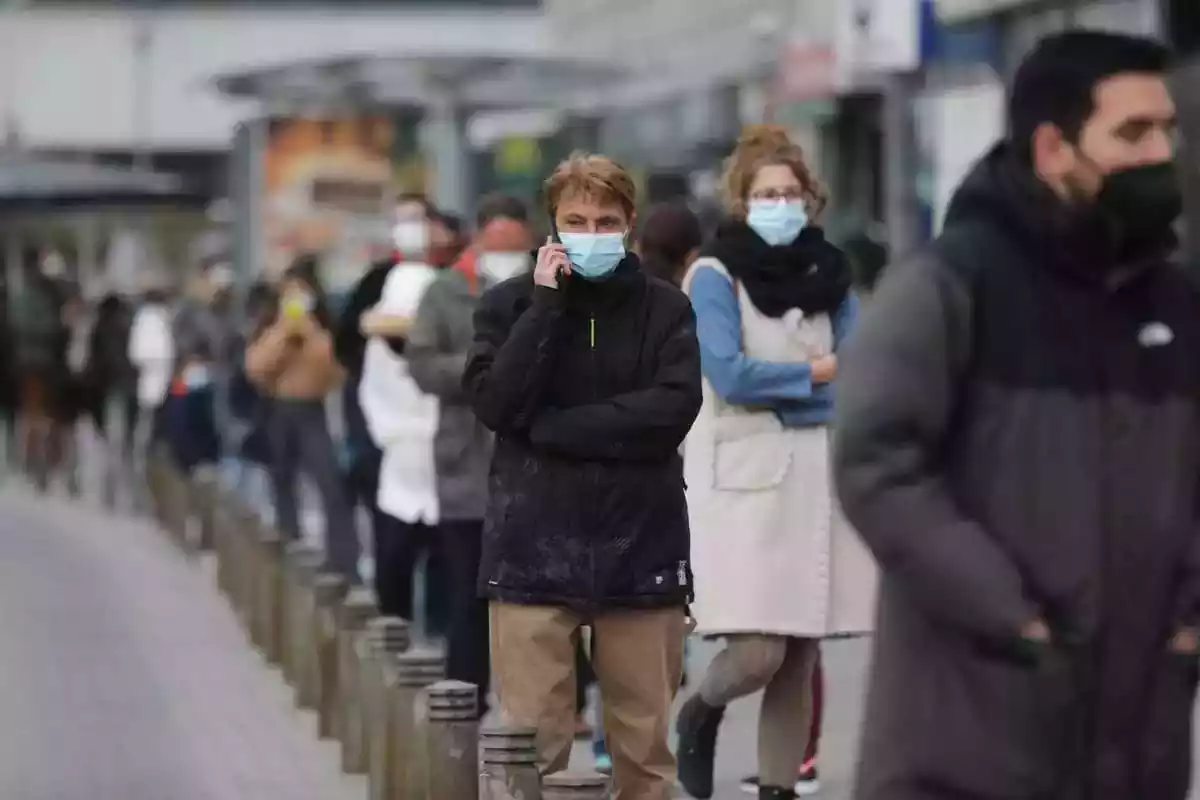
{"points": [[612, 428]]}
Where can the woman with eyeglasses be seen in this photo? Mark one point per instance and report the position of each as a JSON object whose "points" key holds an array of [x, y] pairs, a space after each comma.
{"points": [[777, 569]]}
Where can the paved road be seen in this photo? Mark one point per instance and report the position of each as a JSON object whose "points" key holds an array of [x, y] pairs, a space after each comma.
{"points": [[124, 675]]}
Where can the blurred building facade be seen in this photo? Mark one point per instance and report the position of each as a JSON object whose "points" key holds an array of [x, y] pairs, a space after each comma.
{"points": [[705, 69], [131, 82], [1019, 23], [129, 76]]}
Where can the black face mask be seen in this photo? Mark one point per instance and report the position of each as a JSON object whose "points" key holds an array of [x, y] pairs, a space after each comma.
{"points": [[1141, 202]]}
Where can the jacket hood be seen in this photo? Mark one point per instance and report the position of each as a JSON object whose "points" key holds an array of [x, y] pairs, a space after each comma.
{"points": [[1002, 192]]}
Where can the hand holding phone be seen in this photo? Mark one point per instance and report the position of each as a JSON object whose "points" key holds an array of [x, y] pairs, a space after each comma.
{"points": [[552, 262]]}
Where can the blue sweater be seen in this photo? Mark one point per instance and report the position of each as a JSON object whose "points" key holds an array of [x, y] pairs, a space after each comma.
{"points": [[786, 388]]}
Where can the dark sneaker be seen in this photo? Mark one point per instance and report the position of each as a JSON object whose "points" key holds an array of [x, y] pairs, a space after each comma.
{"points": [[807, 784], [776, 793], [697, 726]]}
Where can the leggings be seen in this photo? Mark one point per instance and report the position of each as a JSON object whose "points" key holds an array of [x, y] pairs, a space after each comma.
{"points": [[782, 667]]}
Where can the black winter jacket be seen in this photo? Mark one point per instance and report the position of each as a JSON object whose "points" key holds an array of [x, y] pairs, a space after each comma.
{"points": [[590, 390]]}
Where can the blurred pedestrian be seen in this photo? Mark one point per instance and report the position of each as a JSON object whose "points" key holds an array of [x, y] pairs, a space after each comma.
{"points": [[9, 394], [189, 413], [669, 241], [437, 346], [108, 373], [249, 408], [773, 306], [589, 375], [41, 339], [152, 355], [291, 361], [402, 421], [868, 254], [1015, 441]]}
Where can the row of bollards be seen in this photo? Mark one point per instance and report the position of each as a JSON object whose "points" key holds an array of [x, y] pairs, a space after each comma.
{"points": [[413, 734]]}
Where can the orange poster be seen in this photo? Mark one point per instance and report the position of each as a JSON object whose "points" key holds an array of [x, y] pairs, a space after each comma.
{"points": [[328, 184]]}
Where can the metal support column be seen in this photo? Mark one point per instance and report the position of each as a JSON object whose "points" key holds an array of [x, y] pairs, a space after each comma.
{"points": [[444, 139], [901, 161]]}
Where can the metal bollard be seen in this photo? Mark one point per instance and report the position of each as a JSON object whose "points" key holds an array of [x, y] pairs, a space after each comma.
{"points": [[452, 741], [203, 494], [405, 678], [300, 564], [325, 593], [384, 640], [269, 594], [509, 763], [329, 590], [357, 609], [575, 786]]}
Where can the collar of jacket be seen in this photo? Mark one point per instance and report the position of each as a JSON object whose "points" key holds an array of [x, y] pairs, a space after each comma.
{"points": [[1002, 191], [625, 280]]}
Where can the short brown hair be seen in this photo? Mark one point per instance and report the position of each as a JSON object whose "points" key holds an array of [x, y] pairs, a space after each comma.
{"points": [[592, 177], [763, 146]]}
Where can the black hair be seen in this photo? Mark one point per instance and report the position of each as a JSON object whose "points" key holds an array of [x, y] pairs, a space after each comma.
{"points": [[452, 222], [500, 206], [1056, 82], [418, 198], [868, 259], [669, 231], [155, 297]]}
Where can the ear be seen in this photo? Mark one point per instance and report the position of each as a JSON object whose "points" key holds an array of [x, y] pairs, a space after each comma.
{"points": [[1051, 153]]}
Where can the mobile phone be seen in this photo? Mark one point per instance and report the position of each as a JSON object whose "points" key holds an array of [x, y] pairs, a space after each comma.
{"points": [[555, 238]]}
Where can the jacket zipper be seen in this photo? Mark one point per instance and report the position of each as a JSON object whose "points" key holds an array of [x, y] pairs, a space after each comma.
{"points": [[594, 473]]}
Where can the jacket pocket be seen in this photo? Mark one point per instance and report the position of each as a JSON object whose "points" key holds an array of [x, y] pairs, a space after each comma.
{"points": [[1001, 728], [1165, 751], [752, 452]]}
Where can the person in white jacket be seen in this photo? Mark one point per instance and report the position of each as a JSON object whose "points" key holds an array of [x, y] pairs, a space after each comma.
{"points": [[152, 355], [401, 418]]}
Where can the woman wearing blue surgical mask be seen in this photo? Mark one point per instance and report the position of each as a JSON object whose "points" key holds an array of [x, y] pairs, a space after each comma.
{"points": [[777, 569]]}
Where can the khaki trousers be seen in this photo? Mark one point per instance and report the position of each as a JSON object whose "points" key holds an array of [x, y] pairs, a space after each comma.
{"points": [[638, 660]]}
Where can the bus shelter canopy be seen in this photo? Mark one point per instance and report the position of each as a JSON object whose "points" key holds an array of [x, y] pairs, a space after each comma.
{"points": [[473, 82]]}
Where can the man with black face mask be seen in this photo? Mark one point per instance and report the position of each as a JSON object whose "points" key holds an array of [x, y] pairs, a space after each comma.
{"points": [[1018, 416]]}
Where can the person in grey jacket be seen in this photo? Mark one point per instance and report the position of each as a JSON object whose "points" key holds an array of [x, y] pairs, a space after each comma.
{"points": [[1017, 424], [436, 349]]}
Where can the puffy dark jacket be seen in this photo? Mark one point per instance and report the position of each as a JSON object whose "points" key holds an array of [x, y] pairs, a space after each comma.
{"points": [[190, 426], [1018, 436], [590, 390]]}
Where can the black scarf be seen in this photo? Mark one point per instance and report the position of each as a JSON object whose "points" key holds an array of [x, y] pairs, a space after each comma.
{"points": [[809, 274]]}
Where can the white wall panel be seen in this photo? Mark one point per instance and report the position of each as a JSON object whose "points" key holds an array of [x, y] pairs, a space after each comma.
{"points": [[70, 75]]}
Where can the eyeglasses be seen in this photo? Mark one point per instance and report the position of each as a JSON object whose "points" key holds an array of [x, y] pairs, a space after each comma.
{"points": [[791, 194]]}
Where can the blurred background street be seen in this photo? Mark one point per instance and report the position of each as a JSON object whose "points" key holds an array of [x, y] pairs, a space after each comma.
{"points": [[145, 141]]}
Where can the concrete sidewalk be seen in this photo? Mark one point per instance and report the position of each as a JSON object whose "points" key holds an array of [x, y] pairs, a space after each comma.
{"points": [[124, 675]]}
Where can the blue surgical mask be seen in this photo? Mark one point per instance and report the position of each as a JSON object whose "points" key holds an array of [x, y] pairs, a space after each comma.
{"points": [[196, 376], [594, 255], [777, 221]]}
